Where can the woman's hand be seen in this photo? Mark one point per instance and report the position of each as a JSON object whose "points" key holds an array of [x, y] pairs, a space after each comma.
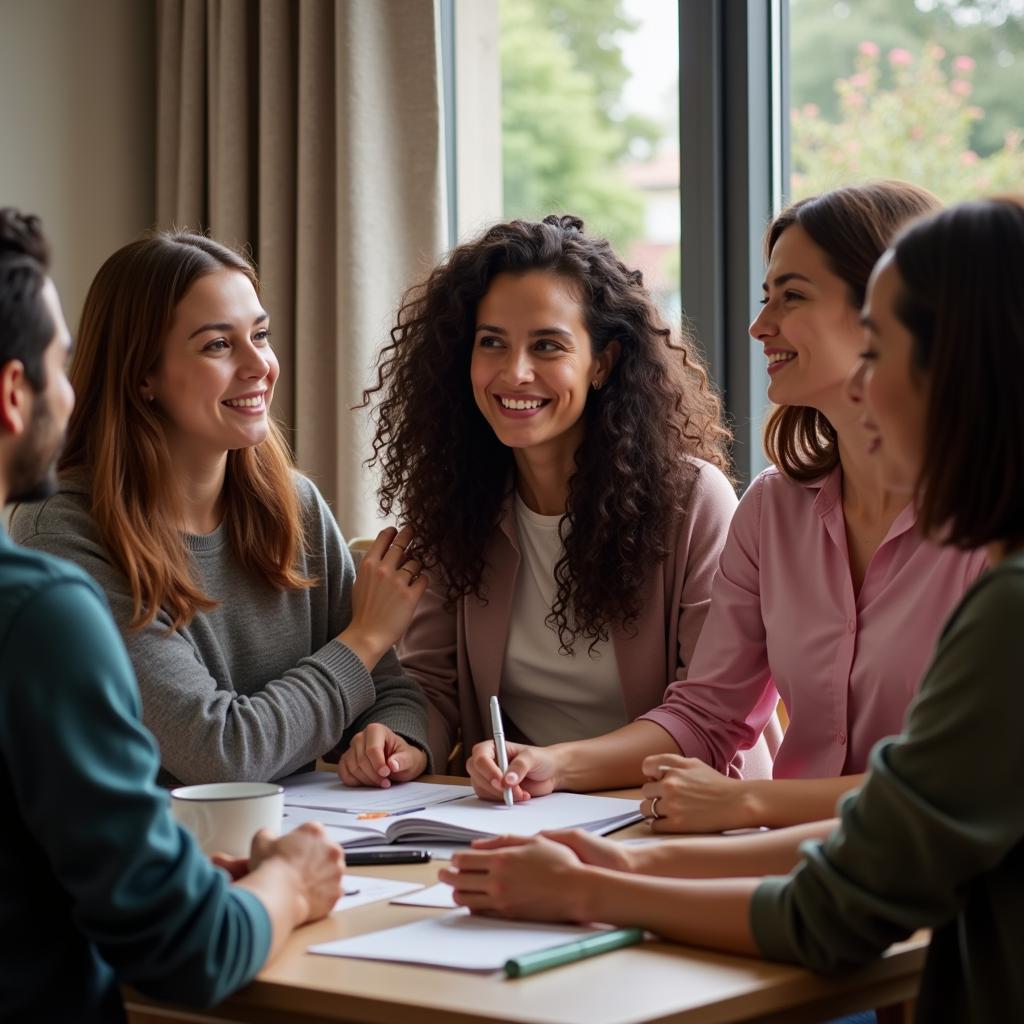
{"points": [[316, 865], [590, 849], [531, 878], [387, 589], [692, 797], [377, 757], [531, 771]]}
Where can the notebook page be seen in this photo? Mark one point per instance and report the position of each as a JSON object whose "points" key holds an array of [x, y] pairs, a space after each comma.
{"points": [[363, 889], [471, 817], [439, 895], [455, 940], [325, 791]]}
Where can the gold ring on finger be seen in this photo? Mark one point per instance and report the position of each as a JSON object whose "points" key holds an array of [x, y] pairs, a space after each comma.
{"points": [[412, 575]]}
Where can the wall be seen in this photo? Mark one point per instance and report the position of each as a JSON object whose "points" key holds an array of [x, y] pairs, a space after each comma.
{"points": [[77, 99]]}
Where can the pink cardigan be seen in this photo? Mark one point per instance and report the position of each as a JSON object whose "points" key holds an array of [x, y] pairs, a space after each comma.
{"points": [[457, 656], [784, 620]]}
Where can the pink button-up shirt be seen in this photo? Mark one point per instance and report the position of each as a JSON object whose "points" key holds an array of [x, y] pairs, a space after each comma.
{"points": [[784, 621]]}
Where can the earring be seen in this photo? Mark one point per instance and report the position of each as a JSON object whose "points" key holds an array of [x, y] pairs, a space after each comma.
{"points": [[596, 385]]}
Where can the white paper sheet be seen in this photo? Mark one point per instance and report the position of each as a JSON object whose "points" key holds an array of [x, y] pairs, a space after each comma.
{"points": [[325, 791], [363, 889], [455, 940], [439, 895]]}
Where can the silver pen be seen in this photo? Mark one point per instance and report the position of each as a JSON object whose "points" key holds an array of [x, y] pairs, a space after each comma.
{"points": [[499, 746]]}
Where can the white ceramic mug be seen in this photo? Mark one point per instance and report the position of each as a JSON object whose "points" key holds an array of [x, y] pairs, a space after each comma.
{"points": [[224, 816]]}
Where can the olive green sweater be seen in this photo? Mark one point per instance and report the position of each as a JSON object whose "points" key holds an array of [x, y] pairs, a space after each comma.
{"points": [[935, 836]]}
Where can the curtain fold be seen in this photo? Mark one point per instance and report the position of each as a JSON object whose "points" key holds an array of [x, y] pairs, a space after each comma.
{"points": [[309, 131]]}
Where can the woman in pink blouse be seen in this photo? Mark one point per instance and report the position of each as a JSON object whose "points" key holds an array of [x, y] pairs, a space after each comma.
{"points": [[825, 595]]}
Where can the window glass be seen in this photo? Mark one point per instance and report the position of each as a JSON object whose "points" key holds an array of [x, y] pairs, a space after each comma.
{"points": [[589, 101], [930, 91]]}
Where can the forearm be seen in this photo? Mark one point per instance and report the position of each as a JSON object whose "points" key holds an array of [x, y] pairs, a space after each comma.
{"points": [[400, 705], [760, 853], [610, 761], [779, 803], [275, 884], [208, 734], [368, 647], [700, 913]]}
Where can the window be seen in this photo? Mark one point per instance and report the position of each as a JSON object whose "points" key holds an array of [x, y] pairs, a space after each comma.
{"points": [[589, 121], [929, 91]]}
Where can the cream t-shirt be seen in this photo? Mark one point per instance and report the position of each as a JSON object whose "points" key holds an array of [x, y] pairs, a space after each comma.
{"points": [[549, 696]]}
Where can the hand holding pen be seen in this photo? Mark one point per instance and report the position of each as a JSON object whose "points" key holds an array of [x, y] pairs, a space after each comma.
{"points": [[531, 771], [499, 747]]}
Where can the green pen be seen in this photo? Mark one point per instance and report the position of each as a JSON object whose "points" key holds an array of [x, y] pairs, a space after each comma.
{"points": [[580, 949]]}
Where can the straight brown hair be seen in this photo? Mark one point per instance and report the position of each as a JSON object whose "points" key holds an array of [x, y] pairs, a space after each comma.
{"points": [[960, 298], [853, 226], [117, 438]]}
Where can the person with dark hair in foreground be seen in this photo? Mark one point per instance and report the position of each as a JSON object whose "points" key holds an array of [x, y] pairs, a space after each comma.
{"points": [[560, 458], [100, 885], [934, 838]]}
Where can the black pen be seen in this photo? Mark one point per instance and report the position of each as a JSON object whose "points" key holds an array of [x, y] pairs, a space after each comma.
{"points": [[360, 858]]}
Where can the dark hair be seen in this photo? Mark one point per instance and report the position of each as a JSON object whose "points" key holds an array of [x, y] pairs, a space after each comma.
{"points": [[26, 327], [960, 298], [853, 226], [444, 467], [119, 439]]}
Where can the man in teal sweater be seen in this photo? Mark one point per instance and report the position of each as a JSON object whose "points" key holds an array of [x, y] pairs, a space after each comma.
{"points": [[99, 884]]}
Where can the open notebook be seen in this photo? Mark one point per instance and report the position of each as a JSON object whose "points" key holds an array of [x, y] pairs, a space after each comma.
{"points": [[460, 820]]}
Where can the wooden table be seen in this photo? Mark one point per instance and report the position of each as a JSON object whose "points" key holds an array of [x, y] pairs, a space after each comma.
{"points": [[659, 982]]}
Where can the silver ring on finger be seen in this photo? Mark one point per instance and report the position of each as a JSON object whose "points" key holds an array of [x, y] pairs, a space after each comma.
{"points": [[654, 808], [395, 544]]}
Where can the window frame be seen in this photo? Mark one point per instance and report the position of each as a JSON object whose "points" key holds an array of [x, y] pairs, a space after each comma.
{"points": [[734, 171]]}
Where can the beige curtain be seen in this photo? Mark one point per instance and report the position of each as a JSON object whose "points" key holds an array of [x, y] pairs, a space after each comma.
{"points": [[310, 131]]}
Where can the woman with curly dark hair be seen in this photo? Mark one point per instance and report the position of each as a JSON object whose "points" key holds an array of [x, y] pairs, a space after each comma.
{"points": [[561, 461], [825, 594]]}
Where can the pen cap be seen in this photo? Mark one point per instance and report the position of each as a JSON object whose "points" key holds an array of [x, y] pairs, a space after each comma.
{"points": [[496, 716]]}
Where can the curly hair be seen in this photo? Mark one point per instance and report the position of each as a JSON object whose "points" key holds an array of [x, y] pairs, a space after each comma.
{"points": [[447, 472]]}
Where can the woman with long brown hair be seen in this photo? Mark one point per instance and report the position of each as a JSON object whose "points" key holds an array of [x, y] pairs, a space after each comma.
{"points": [[560, 459], [256, 647], [825, 594]]}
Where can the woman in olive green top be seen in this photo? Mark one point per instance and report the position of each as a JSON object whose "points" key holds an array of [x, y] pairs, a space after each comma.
{"points": [[935, 836]]}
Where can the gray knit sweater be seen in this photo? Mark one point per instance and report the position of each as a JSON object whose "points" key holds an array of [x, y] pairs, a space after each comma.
{"points": [[257, 687]]}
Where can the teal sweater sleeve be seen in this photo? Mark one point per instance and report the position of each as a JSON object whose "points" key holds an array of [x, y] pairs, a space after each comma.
{"points": [[934, 837], [82, 772]]}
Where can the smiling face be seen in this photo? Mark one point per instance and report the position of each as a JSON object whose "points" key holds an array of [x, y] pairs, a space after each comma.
{"points": [[533, 365], [808, 326], [884, 385], [215, 379]]}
